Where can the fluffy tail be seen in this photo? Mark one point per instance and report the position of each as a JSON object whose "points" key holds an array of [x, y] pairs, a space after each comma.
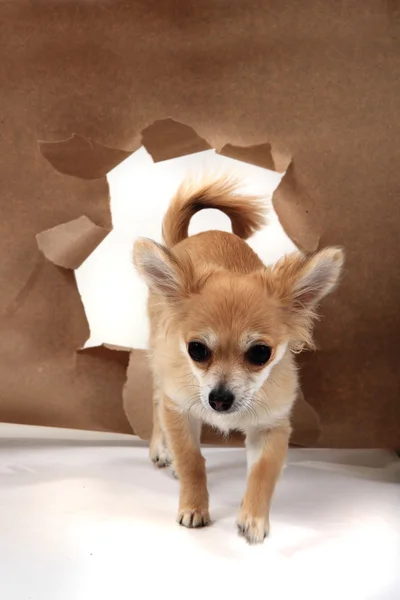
{"points": [[247, 213]]}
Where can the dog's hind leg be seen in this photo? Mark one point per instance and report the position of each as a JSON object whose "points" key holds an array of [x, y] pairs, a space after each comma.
{"points": [[160, 454]]}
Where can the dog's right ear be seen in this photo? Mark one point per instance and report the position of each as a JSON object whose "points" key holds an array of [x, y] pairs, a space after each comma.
{"points": [[159, 268]]}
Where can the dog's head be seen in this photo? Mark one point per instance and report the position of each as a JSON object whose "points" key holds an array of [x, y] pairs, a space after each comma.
{"points": [[230, 330]]}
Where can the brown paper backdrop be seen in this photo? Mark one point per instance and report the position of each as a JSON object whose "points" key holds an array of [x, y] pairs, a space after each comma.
{"points": [[318, 78]]}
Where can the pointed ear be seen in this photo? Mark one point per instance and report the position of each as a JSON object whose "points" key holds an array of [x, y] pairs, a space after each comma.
{"points": [[316, 277], [159, 268], [300, 282]]}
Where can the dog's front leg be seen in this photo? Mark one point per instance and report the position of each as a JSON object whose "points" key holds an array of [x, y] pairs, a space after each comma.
{"points": [[183, 434], [266, 454]]}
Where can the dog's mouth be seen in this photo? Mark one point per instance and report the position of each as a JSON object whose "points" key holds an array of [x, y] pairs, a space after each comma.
{"points": [[228, 411]]}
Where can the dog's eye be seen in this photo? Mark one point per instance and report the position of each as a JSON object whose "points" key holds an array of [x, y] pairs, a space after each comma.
{"points": [[258, 355], [198, 351]]}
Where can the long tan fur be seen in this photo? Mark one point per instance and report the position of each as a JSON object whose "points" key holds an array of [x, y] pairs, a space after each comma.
{"points": [[247, 213]]}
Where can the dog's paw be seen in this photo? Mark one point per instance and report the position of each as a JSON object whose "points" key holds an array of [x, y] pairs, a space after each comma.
{"points": [[194, 518], [253, 529], [159, 453]]}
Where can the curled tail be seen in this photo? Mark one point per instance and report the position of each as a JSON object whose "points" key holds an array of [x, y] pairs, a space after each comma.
{"points": [[247, 213]]}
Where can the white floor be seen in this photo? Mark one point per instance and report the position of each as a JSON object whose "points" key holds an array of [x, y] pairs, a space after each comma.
{"points": [[85, 516]]}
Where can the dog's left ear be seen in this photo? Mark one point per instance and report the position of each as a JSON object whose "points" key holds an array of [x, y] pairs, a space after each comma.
{"points": [[159, 268], [316, 276], [300, 282]]}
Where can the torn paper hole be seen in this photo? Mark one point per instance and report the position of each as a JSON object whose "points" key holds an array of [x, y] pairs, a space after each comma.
{"points": [[113, 295]]}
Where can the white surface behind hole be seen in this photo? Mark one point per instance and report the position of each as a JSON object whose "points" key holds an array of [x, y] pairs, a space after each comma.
{"points": [[113, 295]]}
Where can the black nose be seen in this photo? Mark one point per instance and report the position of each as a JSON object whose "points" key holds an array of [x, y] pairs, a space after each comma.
{"points": [[221, 399]]}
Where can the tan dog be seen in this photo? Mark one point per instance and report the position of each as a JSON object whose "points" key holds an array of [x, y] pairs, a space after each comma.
{"points": [[224, 329]]}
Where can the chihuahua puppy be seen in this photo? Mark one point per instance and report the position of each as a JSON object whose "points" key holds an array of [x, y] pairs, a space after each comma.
{"points": [[223, 333]]}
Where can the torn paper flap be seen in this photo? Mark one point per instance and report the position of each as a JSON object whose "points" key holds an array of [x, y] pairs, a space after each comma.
{"points": [[69, 245], [137, 394], [82, 158], [296, 213], [166, 139], [260, 155], [305, 423]]}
